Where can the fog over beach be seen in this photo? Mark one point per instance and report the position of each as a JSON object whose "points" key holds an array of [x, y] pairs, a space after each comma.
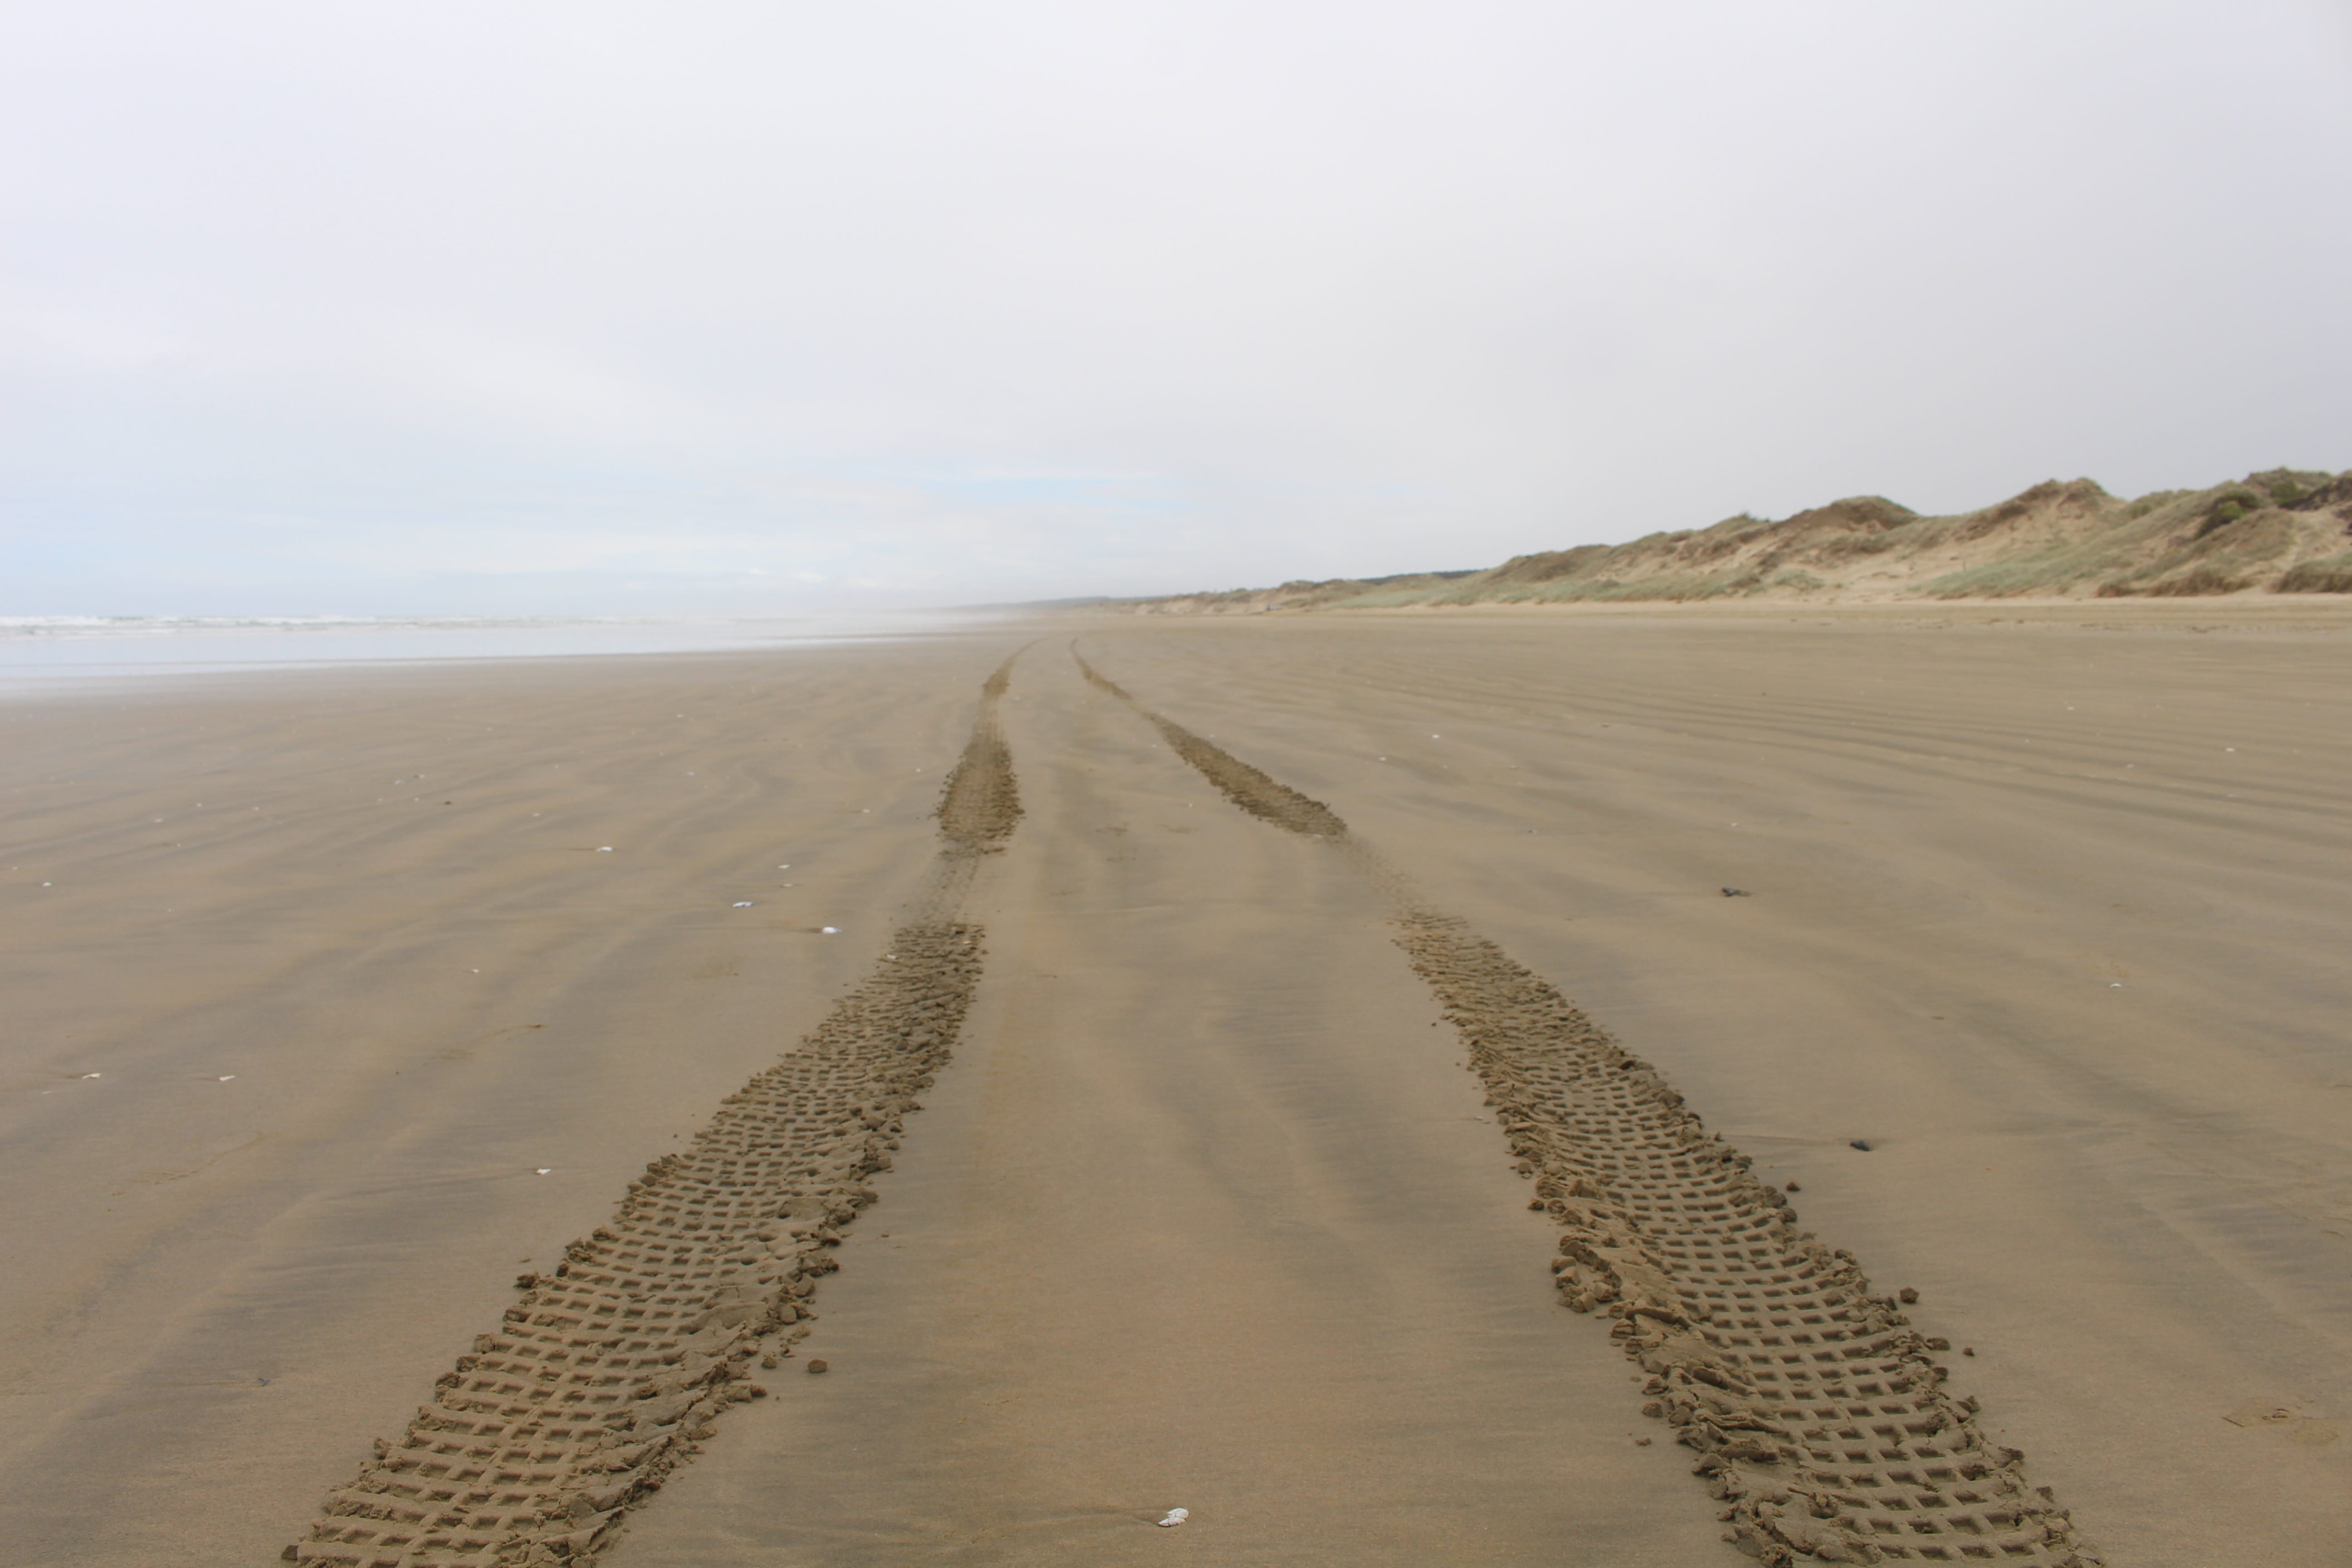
{"points": [[751, 311], [1491, 784], [43, 655]]}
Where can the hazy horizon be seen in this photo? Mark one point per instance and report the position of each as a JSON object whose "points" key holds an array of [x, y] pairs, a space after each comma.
{"points": [[741, 311]]}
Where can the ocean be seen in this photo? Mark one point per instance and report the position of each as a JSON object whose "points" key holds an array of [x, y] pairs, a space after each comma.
{"points": [[48, 653]]}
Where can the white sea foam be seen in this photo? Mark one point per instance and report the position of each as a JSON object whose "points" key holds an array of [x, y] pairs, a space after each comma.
{"points": [[39, 653]]}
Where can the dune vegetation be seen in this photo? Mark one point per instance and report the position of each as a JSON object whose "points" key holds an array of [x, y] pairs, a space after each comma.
{"points": [[2284, 532]]}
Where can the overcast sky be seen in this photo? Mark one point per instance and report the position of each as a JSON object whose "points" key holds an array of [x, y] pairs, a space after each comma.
{"points": [[422, 307]]}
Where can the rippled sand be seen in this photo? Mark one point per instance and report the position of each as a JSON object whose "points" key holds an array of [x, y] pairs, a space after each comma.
{"points": [[2045, 906]]}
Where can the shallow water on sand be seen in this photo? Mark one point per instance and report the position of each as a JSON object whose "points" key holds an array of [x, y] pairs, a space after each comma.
{"points": [[40, 653]]}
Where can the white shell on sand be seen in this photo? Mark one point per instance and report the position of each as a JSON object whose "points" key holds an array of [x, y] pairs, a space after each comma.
{"points": [[1176, 1516]]}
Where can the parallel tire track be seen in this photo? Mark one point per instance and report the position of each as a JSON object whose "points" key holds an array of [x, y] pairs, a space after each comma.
{"points": [[1821, 1420], [608, 1371], [1238, 782], [980, 802]]}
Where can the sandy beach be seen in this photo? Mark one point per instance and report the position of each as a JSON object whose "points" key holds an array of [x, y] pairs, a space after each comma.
{"points": [[366, 1023]]}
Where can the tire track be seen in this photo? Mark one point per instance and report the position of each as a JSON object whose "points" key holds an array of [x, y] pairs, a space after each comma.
{"points": [[1822, 1421], [1238, 782], [609, 1371], [980, 802]]}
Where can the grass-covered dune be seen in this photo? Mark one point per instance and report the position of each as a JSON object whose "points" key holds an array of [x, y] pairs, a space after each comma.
{"points": [[2287, 530]]}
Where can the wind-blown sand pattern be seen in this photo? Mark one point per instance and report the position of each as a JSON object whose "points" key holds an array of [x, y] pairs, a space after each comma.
{"points": [[609, 1370], [1822, 1421], [339, 998], [1245, 787]]}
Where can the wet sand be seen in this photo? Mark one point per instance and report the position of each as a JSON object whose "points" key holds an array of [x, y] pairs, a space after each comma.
{"points": [[1204, 1211]]}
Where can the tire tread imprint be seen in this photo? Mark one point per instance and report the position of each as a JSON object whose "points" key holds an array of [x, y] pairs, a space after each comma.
{"points": [[608, 1371], [1822, 1421]]}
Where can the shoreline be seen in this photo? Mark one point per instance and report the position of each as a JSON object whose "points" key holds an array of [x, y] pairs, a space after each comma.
{"points": [[110, 660]]}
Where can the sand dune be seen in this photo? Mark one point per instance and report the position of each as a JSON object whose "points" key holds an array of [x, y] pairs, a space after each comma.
{"points": [[1199, 1206], [2283, 531]]}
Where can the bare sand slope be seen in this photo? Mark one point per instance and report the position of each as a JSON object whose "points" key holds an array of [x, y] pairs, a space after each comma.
{"points": [[1205, 1212]]}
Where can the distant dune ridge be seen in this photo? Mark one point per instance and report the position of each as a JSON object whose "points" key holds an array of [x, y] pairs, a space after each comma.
{"points": [[2283, 531]]}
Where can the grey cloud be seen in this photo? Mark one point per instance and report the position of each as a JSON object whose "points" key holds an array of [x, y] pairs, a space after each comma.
{"points": [[355, 304]]}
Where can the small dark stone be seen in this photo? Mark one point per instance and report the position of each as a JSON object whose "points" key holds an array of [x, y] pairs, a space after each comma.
{"points": [[815, 1366], [1860, 1143], [1906, 1295], [1794, 1188], [1968, 1350], [1735, 892]]}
